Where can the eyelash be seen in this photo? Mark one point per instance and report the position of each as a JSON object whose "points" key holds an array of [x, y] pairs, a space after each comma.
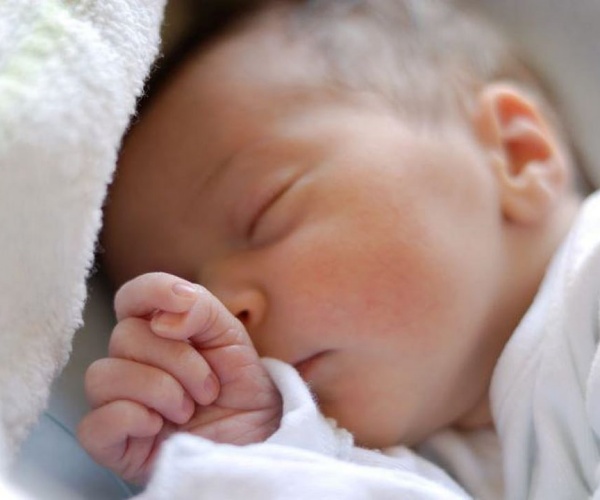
{"points": [[265, 206]]}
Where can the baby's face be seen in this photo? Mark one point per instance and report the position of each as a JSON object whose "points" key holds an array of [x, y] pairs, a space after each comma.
{"points": [[355, 248]]}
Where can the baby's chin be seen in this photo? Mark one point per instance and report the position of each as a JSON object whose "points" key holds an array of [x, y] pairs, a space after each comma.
{"points": [[380, 440], [375, 430]]}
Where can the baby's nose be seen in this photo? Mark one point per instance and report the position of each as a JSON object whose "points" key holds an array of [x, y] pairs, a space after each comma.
{"points": [[249, 306]]}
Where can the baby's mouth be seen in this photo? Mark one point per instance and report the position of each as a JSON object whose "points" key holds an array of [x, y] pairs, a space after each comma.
{"points": [[308, 364]]}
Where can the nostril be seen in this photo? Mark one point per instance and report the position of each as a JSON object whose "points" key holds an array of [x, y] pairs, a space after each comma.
{"points": [[247, 305], [244, 317]]}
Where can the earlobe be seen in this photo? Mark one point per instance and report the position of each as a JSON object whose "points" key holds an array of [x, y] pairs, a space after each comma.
{"points": [[524, 153]]}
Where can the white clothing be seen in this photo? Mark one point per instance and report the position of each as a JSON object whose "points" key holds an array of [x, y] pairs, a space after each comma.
{"points": [[308, 457], [472, 458], [546, 387]]}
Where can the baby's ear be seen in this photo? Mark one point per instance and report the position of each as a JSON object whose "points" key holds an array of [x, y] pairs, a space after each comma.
{"points": [[525, 153]]}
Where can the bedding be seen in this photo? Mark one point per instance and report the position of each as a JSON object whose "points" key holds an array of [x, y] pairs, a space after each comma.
{"points": [[70, 73]]}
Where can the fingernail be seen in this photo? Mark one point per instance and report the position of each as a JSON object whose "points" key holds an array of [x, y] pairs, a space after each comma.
{"points": [[163, 322], [186, 290], [211, 387]]}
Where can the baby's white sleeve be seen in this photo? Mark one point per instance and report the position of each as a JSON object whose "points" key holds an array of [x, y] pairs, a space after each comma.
{"points": [[308, 457]]}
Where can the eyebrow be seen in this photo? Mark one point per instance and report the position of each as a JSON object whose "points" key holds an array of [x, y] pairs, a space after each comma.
{"points": [[257, 150], [221, 170], [225, 165], [205, 184]]}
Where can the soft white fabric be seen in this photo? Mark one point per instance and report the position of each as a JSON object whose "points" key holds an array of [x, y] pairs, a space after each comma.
{"points": [[308, 457], [9, 493], [69, 76], [472, 458], [546, 386]]}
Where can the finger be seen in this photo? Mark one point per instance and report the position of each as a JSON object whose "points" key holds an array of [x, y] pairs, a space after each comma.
{"points": [[208, 324], [132, 339], [112, 379], [147, 293], [225, 344], [121, 436]]}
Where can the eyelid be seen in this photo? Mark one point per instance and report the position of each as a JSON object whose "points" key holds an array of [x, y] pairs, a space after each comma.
{"points": [[274, 193]]}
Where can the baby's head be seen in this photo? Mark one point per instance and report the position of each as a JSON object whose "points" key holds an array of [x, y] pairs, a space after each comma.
{"points": [[373, 187]]}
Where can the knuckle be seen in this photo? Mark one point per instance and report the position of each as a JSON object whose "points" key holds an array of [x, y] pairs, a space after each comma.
{"points": [[124, 335], [153, 280], [99, 381], [183, 355], [165, 387], [123, 293], [127, 412], [209, 312], [237, 334], [85, 432], [202, 290], [213, 312], [218, 324], [96, 375], [139, 284]]}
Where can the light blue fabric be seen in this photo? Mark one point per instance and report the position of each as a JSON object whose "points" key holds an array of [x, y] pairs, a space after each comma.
{"points": [[53, 466]]}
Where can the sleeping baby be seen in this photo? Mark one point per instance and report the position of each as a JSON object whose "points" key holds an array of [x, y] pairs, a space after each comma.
{"points": [[378, 193]]}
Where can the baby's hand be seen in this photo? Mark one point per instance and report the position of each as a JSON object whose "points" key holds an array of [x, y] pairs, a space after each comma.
{"points": [[178, 361]]}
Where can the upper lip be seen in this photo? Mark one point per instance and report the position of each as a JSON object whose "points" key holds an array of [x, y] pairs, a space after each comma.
{"points": [[303, 362], [306, 358]]}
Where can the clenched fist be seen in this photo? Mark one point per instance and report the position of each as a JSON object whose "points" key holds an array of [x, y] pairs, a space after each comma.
{"points": [[178, 361]]}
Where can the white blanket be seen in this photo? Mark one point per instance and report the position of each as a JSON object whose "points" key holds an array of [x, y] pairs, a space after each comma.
{"points": [[70, 72]]}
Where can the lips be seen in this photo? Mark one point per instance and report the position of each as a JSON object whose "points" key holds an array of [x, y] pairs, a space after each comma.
{"points": [[307, 365]]}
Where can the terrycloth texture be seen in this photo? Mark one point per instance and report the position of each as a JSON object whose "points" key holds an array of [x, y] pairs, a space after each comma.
{"points": [[308, 457], [70, 72], [546, 387]]}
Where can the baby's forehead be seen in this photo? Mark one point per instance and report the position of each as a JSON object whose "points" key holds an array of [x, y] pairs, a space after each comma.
{"points": [[261, 50]]}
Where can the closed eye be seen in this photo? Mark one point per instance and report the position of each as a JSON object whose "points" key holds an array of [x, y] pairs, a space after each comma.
{"points": [[268, 202]]}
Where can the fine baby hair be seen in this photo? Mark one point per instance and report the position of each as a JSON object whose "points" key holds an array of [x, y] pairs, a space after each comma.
{"points": [[428, 58]]}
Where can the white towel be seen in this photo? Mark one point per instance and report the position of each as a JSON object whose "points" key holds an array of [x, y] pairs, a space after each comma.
{"points": [[70, 72]]}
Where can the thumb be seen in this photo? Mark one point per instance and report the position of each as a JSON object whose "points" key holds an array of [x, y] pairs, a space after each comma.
{"points": [[207, 324], [223, 342]]}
